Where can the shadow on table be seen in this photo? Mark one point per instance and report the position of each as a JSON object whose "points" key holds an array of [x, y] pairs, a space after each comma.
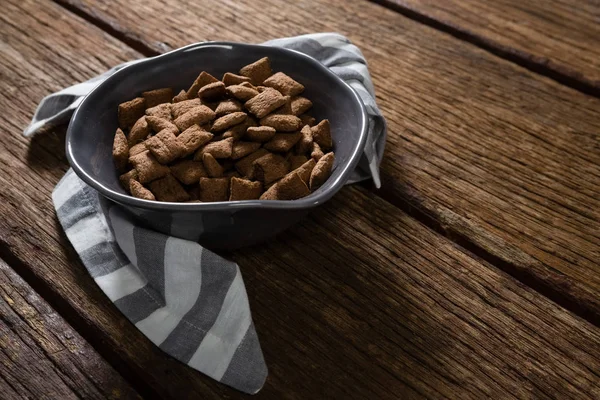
{"points": [[46, 150]]}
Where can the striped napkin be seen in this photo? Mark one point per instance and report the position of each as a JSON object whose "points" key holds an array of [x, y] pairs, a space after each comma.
{"points": [[187, 300]]}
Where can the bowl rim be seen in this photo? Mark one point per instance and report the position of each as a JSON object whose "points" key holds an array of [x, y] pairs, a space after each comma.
{"points": [[313, 200]]}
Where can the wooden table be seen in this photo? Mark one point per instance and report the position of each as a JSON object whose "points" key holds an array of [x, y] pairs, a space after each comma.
{"points": [[473, 273]]}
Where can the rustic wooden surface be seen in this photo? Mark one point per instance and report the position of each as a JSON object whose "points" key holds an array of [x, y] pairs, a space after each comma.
{"points": [[41, 356], [389, 307], [556, 37], [505, 159]]}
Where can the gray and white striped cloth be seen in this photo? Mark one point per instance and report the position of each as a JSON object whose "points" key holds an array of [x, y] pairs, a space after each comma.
{"points": [[186, 299]]}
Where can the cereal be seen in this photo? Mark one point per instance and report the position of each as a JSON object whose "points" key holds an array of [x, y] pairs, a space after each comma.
{"points": [[266, 102], [321, 171], [159, 124], [233, 79], [297, 161], [165, 146], [214, 189], [161, 111], [184, 106], [197, 115], [137, 190], [227, 107], [220, 149], [244, 166], [188, 172], [192, 139], [258, 71], [137, 149], [242, 149], [212, 91], [180, 97], [130, 112], [305, 144], [316, 153], [244, 189], [322, 134], [147, 167], [242, 93], [157, 96], [120, 149], [282, 123], [307, 120], [305, 170], [285, 109], [260, 134], [269, 168], [290, 187], [138, 132], [202, 80], [300, 105], [284, 84], [236, 132], [212, 166], [228, 120], [126, 177], [283, 142], [168, 189]]}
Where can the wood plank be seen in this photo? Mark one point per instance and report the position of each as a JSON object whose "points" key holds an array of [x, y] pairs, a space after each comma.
{"points": [[42, 357], [388, 308], [555, 37], [501, 157]]}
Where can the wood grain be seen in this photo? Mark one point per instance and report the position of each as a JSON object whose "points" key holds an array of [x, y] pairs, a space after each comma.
{"points": [[504, 158], [556, 37], [386, 309], [42, 357]]}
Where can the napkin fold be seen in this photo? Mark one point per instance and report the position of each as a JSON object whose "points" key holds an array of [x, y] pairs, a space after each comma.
{"points": [[186, 299]]}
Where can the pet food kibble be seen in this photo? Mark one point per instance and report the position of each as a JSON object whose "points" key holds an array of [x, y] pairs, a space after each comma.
{"points": [[130, 112], [181, 96], [139, 132], [159, 124], [212, 166], [188, 172], [202, 80], [307, 120], [316, 153], [297, 161], [243, 189], [322, 134], [291, 187], [282, 123], [137, 190], [157, 96], [137, 149], [300, 105], [220, 149], [242, 149], [248, 85], [233, 79], [258, 71], [120, 149], [284, 84], [266, 102], [126, 177], [168, 189], [180, 108], [214, 189], [321, 171], [232, 174], [244, 166], [242, 93], [269, 168], [228, 121], [227, 107], [164, 146], [237, 131], [305, 144], [212, 91], [283, 142], [161, 111], [148, 169], [197, 115], [192, 139], [260, 134], [305, 170], [285, 109]]}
